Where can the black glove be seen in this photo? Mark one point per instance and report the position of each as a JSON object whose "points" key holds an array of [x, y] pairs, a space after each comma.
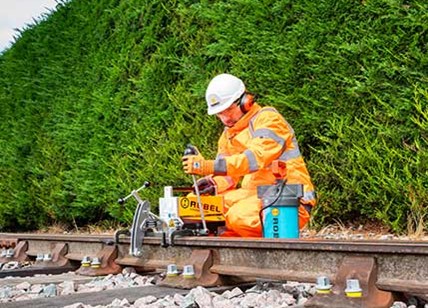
{"points": [[206, 186]]}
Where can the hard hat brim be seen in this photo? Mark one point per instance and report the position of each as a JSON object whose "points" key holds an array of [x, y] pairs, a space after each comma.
{"points": [[219, 108]]}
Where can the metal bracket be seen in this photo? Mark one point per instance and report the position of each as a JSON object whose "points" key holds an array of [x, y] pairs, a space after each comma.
{"points": [[57, 257], [107, 257], [365, 270], [16, 251], [202, 260], [143, 221]]}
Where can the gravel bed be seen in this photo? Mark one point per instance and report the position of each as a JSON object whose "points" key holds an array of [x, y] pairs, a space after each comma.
{"points": [[25, 290], [201, 297], [265, 294], [360, 232], [292, 294]]}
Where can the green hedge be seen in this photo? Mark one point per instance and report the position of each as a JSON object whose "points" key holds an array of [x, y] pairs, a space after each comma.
{"points": [[100, 96]]}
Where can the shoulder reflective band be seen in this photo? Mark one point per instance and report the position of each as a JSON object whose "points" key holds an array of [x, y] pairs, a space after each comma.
{"points": [[290, 154], [251, 126], [267, 133]]}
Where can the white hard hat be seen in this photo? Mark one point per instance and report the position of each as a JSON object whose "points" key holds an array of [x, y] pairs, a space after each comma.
{"points": [[222, 91]]}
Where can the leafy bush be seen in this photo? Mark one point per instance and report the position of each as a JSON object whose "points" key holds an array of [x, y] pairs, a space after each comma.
{"points": [[100, 96]]}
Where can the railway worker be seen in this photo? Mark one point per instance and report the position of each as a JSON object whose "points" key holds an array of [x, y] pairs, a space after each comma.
{"points": [[252, 139]]}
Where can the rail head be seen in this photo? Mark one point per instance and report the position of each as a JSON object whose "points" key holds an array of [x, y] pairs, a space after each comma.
{"points": [[375, 247], [352, 246]]}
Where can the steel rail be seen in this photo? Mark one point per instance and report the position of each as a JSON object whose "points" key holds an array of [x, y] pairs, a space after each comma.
{"points": [[358, 246], [392, 266]]}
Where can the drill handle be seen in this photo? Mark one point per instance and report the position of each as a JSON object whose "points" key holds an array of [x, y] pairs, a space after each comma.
{"points": [[191, 150], [121, 201]]}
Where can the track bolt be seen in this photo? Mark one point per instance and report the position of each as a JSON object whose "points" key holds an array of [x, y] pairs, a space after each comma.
{"points": [[47, 257], [40, 257], [188, 272], [95, 263], [86, 261], [323, 285], [9, 253], [171, 270], [353, 288]]}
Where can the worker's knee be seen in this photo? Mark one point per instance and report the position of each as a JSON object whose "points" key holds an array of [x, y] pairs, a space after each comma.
{"points": [[244, 220]]}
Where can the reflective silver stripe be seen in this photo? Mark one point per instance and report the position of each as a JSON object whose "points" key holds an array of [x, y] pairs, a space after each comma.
{"points": [[267, 133], [252, 161], [309, 195], [220, 156], [220, 167], [251, 126], [290, 154]]}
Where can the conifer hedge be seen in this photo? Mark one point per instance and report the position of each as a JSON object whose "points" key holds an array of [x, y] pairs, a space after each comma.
{"points": [[100, 96]]}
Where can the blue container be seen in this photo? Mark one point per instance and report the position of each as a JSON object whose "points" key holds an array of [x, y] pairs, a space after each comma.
{"points": [[281, 213]]}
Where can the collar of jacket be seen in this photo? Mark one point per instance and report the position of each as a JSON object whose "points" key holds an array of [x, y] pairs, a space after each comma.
{"points": [[244, 121]]}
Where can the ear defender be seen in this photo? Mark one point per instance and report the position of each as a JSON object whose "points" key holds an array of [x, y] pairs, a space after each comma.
{"points": [[246, 101]]}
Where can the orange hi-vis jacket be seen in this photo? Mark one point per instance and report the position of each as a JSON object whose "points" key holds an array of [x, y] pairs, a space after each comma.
{"points": [[245, 154]]}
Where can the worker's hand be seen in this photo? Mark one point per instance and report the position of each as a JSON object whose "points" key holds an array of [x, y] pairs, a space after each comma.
{"points": [[206, 186], [197, 164]]}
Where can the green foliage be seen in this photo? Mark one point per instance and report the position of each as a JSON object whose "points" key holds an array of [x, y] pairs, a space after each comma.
{"points": [[100, 96]]}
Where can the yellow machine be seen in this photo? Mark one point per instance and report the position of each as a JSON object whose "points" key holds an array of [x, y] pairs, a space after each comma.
{"points": [[189, 215], [191, 212], [188, 208]]}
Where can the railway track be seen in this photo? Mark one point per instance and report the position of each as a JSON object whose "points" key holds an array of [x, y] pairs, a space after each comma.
{"points": [[380, 270]]}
